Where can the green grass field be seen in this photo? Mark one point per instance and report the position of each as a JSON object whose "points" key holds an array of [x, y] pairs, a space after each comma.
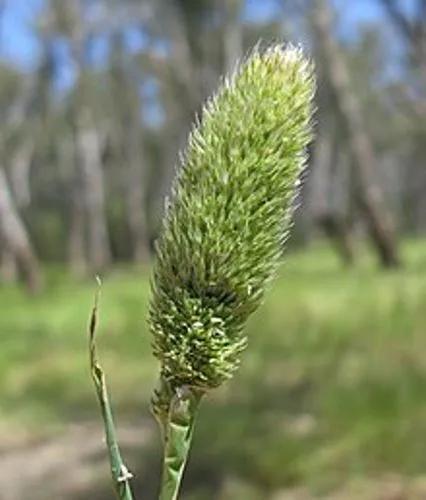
{"points": [[331, 390]]}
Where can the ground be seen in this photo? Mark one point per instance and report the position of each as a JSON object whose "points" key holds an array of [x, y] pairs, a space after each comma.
{"points": [[328, 403]]}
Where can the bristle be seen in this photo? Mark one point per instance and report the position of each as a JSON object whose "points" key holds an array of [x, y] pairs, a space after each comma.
{"points": [[230, 213]]}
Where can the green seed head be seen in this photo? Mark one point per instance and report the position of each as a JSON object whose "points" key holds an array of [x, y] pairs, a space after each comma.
{"points": [[224, 229]]}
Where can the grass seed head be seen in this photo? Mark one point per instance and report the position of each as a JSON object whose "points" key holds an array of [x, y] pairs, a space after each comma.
{"points": [[230, 212]]}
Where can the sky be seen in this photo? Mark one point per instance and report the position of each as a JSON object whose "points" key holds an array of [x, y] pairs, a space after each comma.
{"points": [[17, 42], [19, 46]]}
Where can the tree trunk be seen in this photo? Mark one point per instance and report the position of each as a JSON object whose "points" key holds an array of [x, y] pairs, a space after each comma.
{"points": [[340, 235], [135, 201], [15, 238], [136, 215], [331, 218], [69, 160], [76, 242], [378, 217], [89, 197], [8, 266], [129, 146], [89, 166], [20, 174]]}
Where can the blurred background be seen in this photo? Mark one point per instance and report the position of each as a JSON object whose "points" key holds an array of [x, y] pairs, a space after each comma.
{"points": [[96, 100]]}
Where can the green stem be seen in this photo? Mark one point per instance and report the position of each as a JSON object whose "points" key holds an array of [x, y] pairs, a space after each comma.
{"points": [[177, 430], [120, 474]]}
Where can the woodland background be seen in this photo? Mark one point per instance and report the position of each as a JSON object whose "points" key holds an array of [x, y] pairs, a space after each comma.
{"points": [[96, 100]]}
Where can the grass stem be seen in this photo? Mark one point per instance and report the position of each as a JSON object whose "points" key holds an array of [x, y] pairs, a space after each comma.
{"points": [[177, 434], [120, 474]]}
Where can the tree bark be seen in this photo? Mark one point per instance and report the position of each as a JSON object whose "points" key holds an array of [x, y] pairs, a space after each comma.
{"points": [[135, 201], [379, 220], [76, 243], [88, 221], [129, 146], [76, 246], [89, 166], [331, 217], [15, 238], [20, 173], [8, 265]]}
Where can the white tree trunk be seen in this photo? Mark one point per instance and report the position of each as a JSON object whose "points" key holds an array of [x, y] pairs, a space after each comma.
{"points": [[89, 160], [15, 238], [20, 174]]}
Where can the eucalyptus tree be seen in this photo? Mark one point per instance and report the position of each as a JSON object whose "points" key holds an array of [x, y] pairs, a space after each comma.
{"points": [[378, 217], [409, 22], [88, 226], [128, 143], [16, 249]]}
